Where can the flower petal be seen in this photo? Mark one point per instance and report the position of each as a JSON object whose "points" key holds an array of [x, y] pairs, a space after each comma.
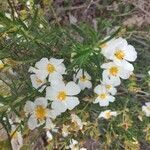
{"points": [[42, 64], [103, 102], [72, 88], [55, 76], [96, 100], [56, 61], [125, 74], [131, 54], [58, 85], [59, 106], [41, 101], [53, 113], [88, 84], [61, 68], [36, 83], [29, 107], [113, 91], [111, 98], [41, 74], [107, 65], [32, 122], [51, 93], [72, 102]]}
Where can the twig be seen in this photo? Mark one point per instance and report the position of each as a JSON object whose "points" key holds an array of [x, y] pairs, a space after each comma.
{"points": [[140, 41], [91, 2], [12, 9], [55, 15], [145, 93], [138, 6]]}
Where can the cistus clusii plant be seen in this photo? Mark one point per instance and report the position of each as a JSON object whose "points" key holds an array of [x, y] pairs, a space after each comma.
{"points": [[67, 86]]}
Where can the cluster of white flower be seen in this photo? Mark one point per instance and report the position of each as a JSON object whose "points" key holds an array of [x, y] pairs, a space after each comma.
{"points": [[83, 79], [118, 52], [63, 96]]}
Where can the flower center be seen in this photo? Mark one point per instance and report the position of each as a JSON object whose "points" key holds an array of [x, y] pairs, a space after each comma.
{"points": [[103, 45], [39, 81], [83, 78], [108, 87], [50, 68], [120, 54], [102, 96], [61, 96], [40, 112], [1, 65], [113, 71], [108, 115]]}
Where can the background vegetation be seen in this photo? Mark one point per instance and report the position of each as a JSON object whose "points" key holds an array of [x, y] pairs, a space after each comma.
{"points": [[57, 29]]}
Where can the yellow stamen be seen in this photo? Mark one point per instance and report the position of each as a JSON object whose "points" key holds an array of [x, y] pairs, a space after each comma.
{"points": [[40, 112], [108, 115], [50, 68], [39, 81], [120, 54], [61, 96], [108, 87], [102, 96], [113, 70], [83, 78]]}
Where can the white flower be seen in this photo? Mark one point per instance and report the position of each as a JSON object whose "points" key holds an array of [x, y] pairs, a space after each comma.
{"points": [[38, 111], [28, 4], [107, 114], [74, 145], [146, 109], [110, 86], [72, 19], [50, 125], [16, 140], [149, 73], [49, 136], [41, 26], [75, 119], [37, 83], [114, 72], [1, 104], [63, 96], [107, 47], [83, 80], [103, 97], [54, 68], [65, 131], [1, 64], [120, 52], [1, 26]]}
